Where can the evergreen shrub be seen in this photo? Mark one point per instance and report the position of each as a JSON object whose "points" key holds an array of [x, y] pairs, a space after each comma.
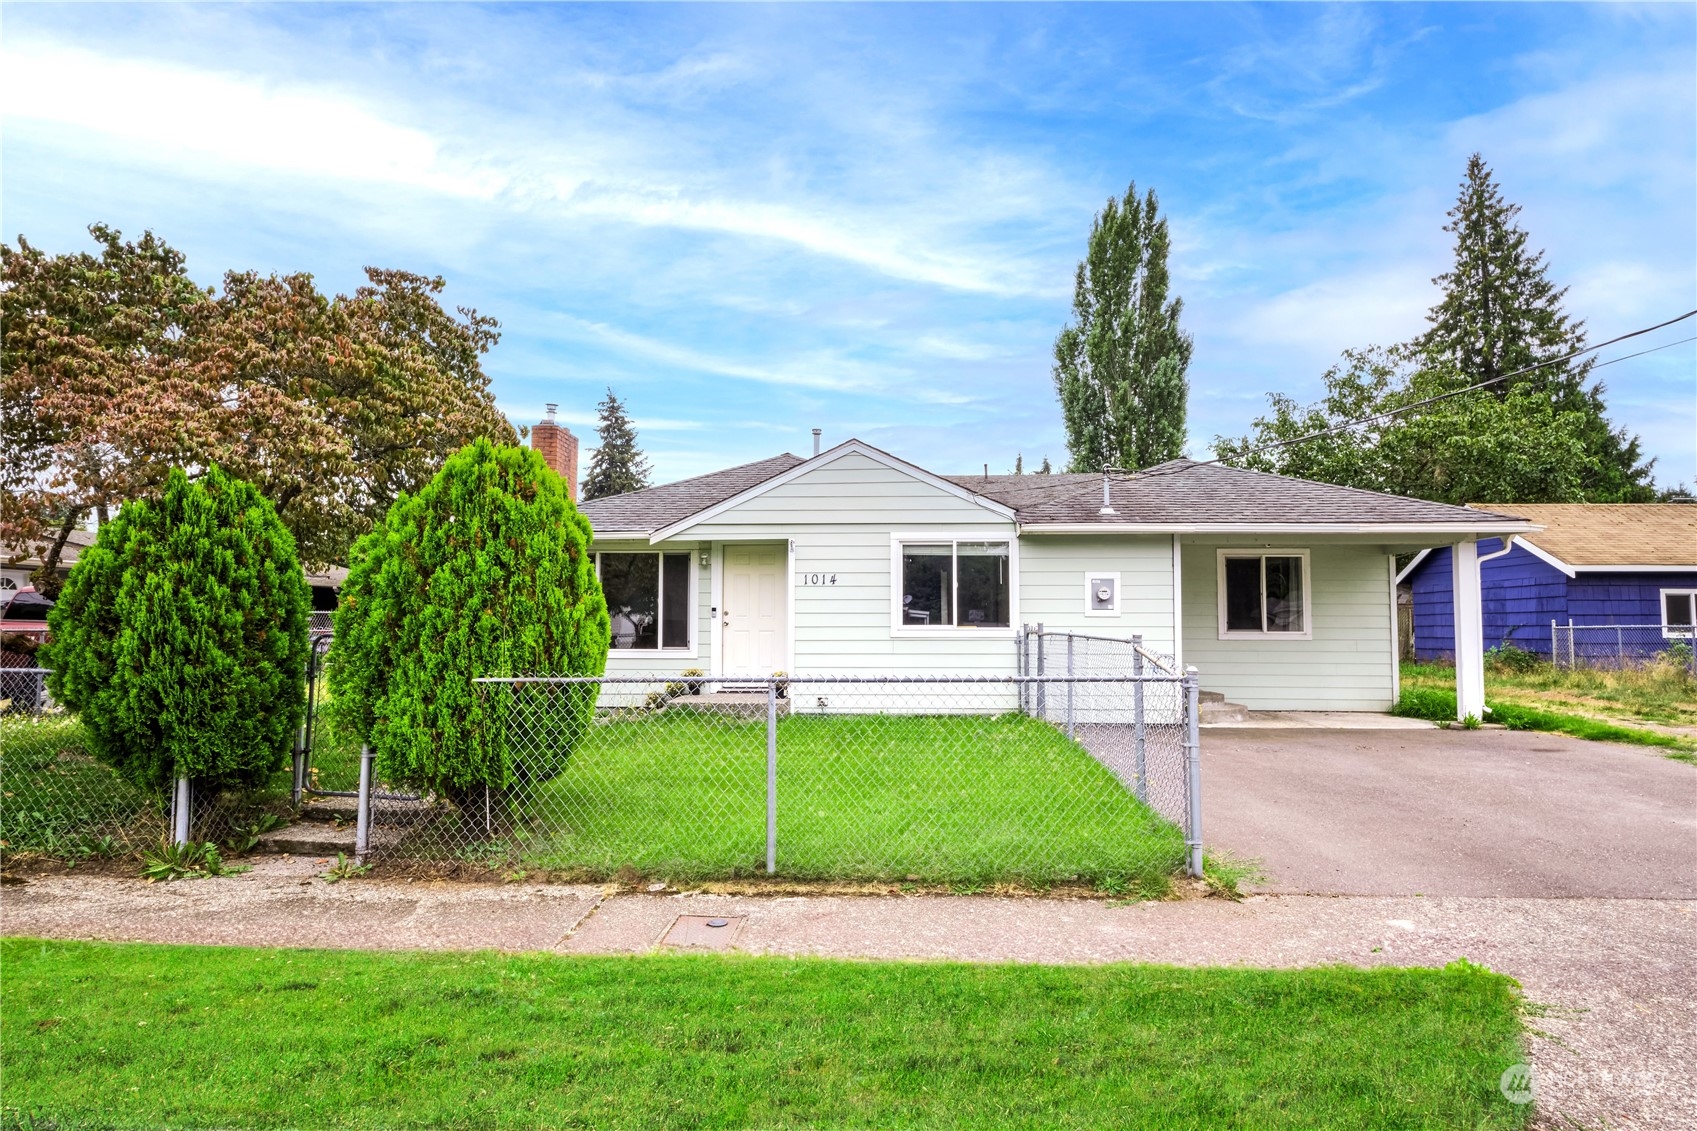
{"points": [[180, 637], [485, 571]]}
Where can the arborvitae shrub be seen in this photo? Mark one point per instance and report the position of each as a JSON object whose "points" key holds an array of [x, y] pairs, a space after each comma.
{"points": [[180, 637], [485, 571]]}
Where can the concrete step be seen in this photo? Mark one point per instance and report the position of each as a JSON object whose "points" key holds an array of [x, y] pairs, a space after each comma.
{"points": [[308, 838], [1219, 711]]}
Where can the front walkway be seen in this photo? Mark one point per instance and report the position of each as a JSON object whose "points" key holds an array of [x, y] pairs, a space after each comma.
{"points": [[1617, 1024]]}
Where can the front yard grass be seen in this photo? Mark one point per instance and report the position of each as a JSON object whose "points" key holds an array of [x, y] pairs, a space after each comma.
{"points": [[143, 1036], [958, 799]]}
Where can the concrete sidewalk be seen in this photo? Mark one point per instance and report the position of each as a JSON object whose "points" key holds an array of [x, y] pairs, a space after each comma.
{"points": [[1617, 1031]]}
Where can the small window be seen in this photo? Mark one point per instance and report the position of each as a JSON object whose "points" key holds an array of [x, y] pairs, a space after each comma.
{"points": [[1264, 594], [647, 599], [1679, 612], [955, 585]]}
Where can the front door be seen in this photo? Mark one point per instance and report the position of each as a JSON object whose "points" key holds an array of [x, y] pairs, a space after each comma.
{"points": [[754, 611]]}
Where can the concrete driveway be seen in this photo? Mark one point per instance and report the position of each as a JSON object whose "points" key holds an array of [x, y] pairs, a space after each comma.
{"points": [[1451, 813]]}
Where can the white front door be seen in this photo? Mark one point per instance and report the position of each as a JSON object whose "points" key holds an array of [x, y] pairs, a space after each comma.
{"points": [[754, 611]]}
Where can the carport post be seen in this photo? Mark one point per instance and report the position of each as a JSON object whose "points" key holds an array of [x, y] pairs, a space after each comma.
{"points": [[362, 822], [1137, 715], [1469, 632], [771, 776], [1192, 684], [182, 805]]}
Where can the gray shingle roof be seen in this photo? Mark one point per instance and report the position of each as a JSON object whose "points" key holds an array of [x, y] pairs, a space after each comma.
{"points": [[1178, 493], [642, 512], [1184, 492]]}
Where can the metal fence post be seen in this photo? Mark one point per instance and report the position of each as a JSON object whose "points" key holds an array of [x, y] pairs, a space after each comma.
{"points": [[300, 764], [1570, 656], [1072, 729], [1139, 735], [1554, 659], [771, 776], [1192, 684], [1042, 688], [1020, 665], [362, 823], [182, 806]]}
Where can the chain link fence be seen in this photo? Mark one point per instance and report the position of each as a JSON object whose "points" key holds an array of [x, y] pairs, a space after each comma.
{"points": [[1623, 645], [58, 801], [1031, 779]]}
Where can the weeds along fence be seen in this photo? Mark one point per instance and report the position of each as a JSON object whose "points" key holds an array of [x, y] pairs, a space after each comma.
{"points": [[1622, 645], [969, 781], [57, 800]]}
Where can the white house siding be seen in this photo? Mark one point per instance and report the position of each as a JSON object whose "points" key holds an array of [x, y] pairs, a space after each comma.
{"points": [[1346, 666], [1052, 572], [841, 518]]}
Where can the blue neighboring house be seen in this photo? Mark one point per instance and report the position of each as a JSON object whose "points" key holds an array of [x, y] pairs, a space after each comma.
{"points": [[1592, 564]]}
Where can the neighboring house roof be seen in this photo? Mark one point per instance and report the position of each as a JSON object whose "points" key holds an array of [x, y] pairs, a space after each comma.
{"points": [[25, 557], [1181, 494], [1612, 535], [641, 512]]}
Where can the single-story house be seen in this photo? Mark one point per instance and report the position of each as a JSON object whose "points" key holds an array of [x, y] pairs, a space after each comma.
{"points": [[1619, 565], [1280, 591]]}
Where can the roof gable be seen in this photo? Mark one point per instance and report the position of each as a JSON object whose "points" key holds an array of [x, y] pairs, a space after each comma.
{"points": [[825, 459]]}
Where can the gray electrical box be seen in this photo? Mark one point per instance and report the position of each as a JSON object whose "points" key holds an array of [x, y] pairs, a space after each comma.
{"points": [[1104, 593]]}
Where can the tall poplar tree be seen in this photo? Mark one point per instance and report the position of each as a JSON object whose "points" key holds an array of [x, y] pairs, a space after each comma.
{"points": [[617, 466], [1120, 366]]}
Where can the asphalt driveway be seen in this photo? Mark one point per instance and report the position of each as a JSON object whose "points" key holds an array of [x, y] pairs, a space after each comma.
{"points": [[1451, 813]]}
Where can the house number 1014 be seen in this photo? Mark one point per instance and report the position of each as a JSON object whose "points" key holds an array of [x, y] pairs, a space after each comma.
{"points": [[818, 579]]}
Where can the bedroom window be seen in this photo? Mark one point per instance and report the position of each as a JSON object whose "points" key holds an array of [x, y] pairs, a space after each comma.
{"points": [[647, 599], [955, 584], [1679, 612], [1264, 594]]}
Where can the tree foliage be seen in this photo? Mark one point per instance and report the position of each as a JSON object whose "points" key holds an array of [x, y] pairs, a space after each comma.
{"points": [[1541, 436], [180, 637], [1120, 365], [617, 466], [484, 571], [117, 367]]}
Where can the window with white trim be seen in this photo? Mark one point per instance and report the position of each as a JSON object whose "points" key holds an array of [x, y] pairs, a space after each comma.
{"points": [[955, 584], [1679, 612], [1264, 593], [647, 599]]}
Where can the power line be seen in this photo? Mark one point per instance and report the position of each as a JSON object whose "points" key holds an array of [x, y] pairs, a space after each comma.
{"points": [[1391, 413]]}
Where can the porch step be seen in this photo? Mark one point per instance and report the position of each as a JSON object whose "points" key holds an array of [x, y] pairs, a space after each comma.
{"points": [[744, 704], [309, 838], [1213, 708]]}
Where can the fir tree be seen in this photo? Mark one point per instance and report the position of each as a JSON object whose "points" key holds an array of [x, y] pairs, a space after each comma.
{"points": [[1500, 313], [1120, 366], [1019, 463], [618, 466], [1045, 469]]}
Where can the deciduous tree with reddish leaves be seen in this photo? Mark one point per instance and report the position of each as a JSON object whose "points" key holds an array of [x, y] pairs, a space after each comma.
{"points": [[117, 367]]}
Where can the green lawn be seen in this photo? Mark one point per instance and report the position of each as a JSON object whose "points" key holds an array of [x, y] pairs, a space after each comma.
{"points": [[125, 1035], [956, 799], [57, 800]]}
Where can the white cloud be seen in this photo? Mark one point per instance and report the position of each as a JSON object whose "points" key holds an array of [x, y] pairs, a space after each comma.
{"points": [[173, 113]]}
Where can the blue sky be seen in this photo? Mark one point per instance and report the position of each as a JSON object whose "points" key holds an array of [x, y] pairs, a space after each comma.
{"points": [[753, 220]]}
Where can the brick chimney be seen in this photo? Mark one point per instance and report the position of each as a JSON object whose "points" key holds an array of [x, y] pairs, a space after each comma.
{"points": [[558, 447]]}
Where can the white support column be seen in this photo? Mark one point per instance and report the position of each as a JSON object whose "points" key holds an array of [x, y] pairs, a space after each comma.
{"points": [[1469, 632]]}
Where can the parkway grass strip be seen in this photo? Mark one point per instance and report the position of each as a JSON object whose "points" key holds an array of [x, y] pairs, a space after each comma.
{"points": [[129, 1035]]}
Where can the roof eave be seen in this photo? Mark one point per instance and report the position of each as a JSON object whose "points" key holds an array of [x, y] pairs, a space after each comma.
{"points": [[1488, 530]]}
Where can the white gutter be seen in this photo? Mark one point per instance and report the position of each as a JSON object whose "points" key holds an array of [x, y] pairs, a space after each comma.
{"points": [[1277, 528]]}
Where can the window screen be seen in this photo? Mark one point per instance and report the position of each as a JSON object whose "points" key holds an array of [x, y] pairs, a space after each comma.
{"points": [[1678, 611], [1283, 588], [983, 591], [928, 583], [674, 601]]}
